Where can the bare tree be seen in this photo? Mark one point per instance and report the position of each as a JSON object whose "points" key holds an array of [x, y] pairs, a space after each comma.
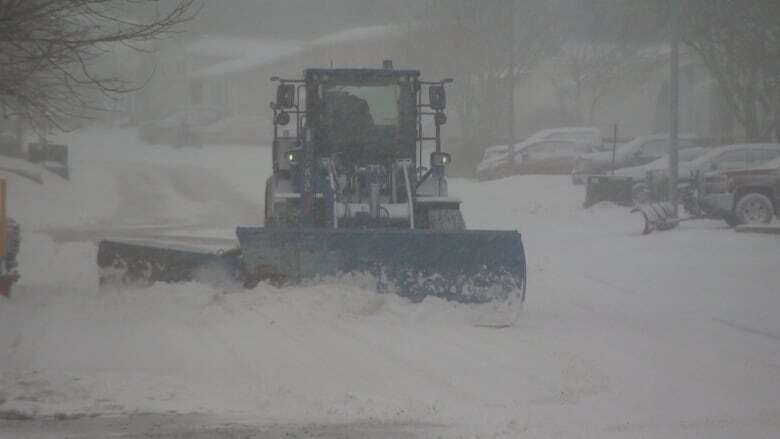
{"points": [[48, 50], [738, 41], [596, 67], [473, 40]]}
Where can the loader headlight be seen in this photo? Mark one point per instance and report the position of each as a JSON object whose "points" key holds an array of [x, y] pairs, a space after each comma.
{"points": [[440, 159], [293, 157]]}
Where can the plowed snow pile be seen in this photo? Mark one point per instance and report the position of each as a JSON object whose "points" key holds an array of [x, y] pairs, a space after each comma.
{"points": [[330, 350], [670, 335]]}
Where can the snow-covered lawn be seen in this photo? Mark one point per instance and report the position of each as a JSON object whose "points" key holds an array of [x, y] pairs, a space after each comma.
{"points": [[669, 335]]}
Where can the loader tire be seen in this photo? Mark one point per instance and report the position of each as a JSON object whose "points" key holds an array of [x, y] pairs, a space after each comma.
{"points": [[755, 208], [446, 219]]}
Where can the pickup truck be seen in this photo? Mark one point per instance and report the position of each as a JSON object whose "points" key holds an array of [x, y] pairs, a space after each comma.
{"points": [[751, 196]]}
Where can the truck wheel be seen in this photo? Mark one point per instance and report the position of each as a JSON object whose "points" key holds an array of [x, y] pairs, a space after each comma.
{"points": [[754, 208], [446, 219]]}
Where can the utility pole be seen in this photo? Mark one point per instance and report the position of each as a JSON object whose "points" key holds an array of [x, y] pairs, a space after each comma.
{"points": [[674, 100], [512, 74]]}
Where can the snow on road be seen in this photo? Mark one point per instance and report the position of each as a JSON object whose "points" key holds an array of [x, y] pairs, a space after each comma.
{"points": [[670, 335]]}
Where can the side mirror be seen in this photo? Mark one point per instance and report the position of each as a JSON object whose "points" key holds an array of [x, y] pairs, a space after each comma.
{"points": [[437, 97], [285, 96], [440, 159]]}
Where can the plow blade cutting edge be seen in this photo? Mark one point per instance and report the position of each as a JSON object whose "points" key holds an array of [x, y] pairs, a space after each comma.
{"points": [[462, 266]]}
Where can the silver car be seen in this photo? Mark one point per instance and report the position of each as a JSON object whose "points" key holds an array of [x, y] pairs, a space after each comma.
{"points": [[640, 151]]}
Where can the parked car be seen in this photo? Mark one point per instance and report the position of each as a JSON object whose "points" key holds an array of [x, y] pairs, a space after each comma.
{"points": [[587, 135], [725, 158], [716, 160], [499, 161], [640, 151], [641, 191], [640, 172], [554, 157], [187, 126], [750, 196]]}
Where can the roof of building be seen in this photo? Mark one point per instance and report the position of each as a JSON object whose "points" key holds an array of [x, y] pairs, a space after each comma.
{"points": [[247, 53]]}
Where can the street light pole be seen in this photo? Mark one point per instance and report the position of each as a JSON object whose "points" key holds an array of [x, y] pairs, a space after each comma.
{"points": [[512, 75], [674, 100]]}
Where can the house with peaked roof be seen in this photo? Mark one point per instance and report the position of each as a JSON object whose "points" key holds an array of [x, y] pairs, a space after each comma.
{"points": [[234, 72], [201, 72]]}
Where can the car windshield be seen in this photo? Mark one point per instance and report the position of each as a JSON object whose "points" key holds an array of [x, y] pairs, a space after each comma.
{"points": [[494, 153]]}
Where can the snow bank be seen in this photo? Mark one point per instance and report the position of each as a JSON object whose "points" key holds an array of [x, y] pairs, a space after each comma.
{"points": [[331, 350], [245, 168], [88, 197]]}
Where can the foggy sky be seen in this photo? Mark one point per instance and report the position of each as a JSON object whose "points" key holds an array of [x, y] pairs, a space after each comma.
{"points": [[298, 19]]}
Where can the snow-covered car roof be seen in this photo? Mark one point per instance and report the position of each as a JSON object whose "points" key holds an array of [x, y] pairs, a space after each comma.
{"points": [[638, 141], [496, 149], [715, 152], [771, 165], [560, 134], [685, 155]]}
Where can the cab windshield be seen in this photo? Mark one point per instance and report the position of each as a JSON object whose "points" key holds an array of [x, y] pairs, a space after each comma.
{"points": [[377, 104]]}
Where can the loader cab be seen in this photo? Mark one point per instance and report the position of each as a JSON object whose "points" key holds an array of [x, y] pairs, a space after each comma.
{"points": [[348, 147], [360, 115]]}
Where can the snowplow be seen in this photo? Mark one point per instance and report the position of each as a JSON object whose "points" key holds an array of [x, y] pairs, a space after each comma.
{"points": [[349, 195]]}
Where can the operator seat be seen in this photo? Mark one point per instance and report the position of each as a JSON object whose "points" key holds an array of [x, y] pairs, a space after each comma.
{"points": [[350, 126]]}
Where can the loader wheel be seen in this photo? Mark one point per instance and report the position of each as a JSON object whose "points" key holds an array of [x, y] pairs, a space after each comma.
{"points": [[446, 219], [754, 208]]}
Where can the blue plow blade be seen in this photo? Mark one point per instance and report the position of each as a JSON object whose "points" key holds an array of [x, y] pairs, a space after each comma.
{"points": [[140, 262], [463, 266]]}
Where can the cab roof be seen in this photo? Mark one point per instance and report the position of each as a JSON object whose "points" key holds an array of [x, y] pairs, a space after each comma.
{"points": [[360, 74]]}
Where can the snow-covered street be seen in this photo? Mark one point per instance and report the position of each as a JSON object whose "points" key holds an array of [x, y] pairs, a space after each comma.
{"points": [[669, 335]]}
